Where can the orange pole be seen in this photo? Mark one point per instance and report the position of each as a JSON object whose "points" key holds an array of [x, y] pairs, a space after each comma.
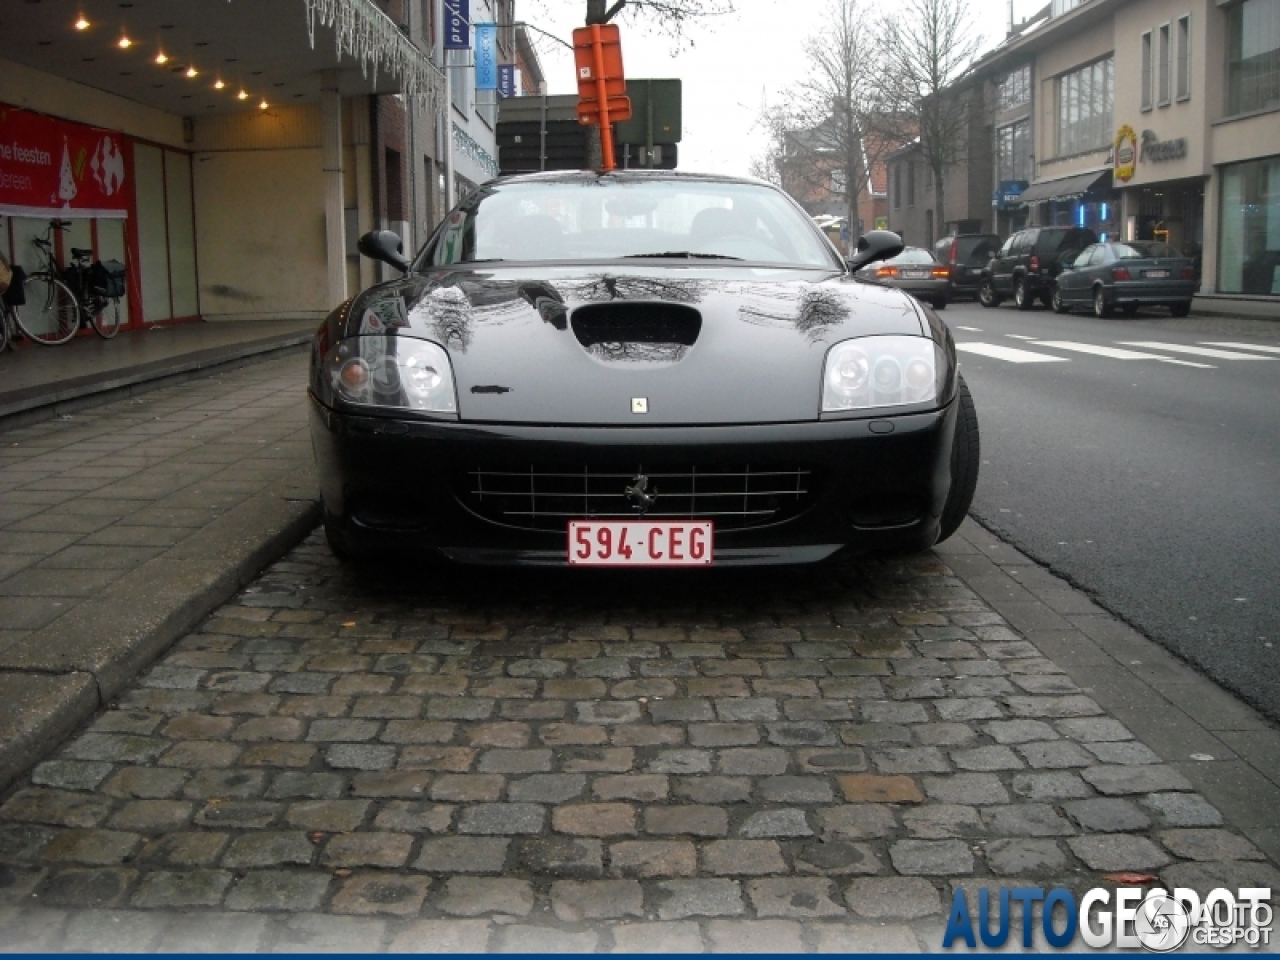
{"points": [[602, 94]]}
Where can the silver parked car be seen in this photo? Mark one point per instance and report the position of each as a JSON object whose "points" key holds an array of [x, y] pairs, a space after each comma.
{"points": [[916, 271]]}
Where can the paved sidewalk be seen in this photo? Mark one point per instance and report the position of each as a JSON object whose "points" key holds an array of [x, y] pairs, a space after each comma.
{"points": [[806, 760], [123, 524]]}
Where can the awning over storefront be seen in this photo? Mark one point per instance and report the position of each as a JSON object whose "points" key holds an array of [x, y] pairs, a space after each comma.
{"points": [[1067, 188]]}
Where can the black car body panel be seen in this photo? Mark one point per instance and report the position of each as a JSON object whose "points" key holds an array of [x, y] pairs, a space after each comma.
{"points": [[965, 256], [1034, 257], [548, 359]]}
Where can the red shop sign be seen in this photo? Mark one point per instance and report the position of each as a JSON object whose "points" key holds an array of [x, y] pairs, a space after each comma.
{"points": [[55, 166]]}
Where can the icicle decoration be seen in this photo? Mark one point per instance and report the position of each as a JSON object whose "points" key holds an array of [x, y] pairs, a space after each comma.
{"points": [[364, 32], [463, 143]]}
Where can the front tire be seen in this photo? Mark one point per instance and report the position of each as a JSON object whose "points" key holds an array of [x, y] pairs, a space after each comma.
{"points": [[1022, 298], [939, 304], [1180, 309], [1055, 300], [987, 295], [966, 451], [1101, 309]]}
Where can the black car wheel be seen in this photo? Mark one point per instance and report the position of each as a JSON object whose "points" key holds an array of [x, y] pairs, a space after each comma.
{"points": [[987, 295], [342, 544], [939, 304], [1180, 309], [1101, 309], [1130, 309], [1021, 295], [965, 455], [1055, 300]]}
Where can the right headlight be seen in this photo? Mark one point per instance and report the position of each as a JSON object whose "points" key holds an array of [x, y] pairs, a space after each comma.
{"points": [[400, 373], [886, 371]]}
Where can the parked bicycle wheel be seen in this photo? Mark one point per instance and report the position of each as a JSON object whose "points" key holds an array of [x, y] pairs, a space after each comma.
{"points": [[5, 321], [51, 314], [106, 323]]}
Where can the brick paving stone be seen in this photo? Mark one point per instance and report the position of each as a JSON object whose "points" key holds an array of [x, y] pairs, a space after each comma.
{"points": [[410, 783], [1107, 815], [875, 733], [360, 756], [407, 816], [831, 857], [653, 858], [185, 849], [1026, 820], [443, 936], [869, 788], [712, 790], [95, 847], [86, 888], [1208, 845], [865, 938], [658, 937], [502, 818], [55, 807], [796, 790], [380, 893], [329, 815], [463, 855], [525, 939], [1019, 731], [893, 898], [269, 850], [776, 823], [932, 857], [367, 850], [71, 774], [801, 897], [307, 786], [678, 899], [578, 857], [476, 896], [986, 759], [910, 760], [1118, 851], [1054, 755], [315, 933], [723, 734], [690, 820], [1182, 810], [752, 936], [894, 712], [1118, 780], [575, 901], [228, 784], [1054, 785], [942, 821], [742, 858], [595, 819], [1025, 858], [192, 888], [862, 821], [514, 761]]}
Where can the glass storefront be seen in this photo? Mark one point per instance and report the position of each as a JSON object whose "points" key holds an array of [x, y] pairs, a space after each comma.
{"points": [[1249, 247]]}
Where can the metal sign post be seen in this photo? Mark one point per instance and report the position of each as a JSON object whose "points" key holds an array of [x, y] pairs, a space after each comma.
{"points": [[597, 54]]}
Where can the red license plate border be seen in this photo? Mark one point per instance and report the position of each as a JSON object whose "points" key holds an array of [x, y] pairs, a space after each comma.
{"points": [[708, 525]]}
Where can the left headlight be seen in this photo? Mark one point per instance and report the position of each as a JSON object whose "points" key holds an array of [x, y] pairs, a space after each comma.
{"points": [[883, 371], [393, 372]]}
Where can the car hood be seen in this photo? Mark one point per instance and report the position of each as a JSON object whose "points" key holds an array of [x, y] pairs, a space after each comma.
{"points": [[574, 345]]}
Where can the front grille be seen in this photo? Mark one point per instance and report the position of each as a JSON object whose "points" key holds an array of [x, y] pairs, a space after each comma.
{"points": [[735, 497]]}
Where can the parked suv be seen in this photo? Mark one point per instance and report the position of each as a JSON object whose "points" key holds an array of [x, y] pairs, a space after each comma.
{"points": [[1025, 267], [965, 255]]}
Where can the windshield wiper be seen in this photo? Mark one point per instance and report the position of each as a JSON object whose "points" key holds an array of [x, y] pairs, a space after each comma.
{"points": [[684, 254]]}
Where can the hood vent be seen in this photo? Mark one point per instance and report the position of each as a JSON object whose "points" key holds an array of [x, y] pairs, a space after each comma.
{"points": [[619, 325]]}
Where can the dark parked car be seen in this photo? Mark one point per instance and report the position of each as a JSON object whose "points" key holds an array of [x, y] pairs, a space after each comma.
{"points": [[1126, 275], [1025, 267], [965, 256], [915, 271], [636, 368]]}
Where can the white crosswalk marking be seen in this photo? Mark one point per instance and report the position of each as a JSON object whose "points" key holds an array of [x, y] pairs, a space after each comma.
{"points": [[1244, 346], [1194, 351], [970, 329], [1019, 336], [1008, 353], [1115, 353]]}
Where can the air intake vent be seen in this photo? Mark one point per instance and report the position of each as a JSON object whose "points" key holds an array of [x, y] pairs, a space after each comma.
{"points": [[665, 324]]}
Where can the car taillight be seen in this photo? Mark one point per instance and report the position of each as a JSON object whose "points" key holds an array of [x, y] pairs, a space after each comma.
{"points": [[886, 271], [942, 271], [951, 257], [1120, 273], [1034, 265], [1188, 273]]}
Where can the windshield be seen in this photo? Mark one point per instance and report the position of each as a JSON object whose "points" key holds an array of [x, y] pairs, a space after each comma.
{"points": [[602, 219], [976, 250], [1149, 248]]}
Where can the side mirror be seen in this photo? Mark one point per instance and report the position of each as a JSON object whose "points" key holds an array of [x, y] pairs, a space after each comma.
{"points": [[876, 245], [385, 246]]}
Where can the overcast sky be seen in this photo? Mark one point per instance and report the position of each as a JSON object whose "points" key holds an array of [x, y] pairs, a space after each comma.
{"points": [[737, 64]]}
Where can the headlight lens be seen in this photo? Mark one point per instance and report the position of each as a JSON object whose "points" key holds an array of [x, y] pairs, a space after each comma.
{"points": [[882, 372], [393, 372]]}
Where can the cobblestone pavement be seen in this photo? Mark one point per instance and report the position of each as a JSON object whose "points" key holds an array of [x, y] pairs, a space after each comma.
{"points": [[802, 760]]}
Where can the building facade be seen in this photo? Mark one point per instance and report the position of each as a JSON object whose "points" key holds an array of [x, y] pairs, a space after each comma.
{"points": [[1148, 120]]}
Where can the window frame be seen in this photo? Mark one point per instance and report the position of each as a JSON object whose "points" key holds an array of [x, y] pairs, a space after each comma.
{"points": [[1078, 131], [1148, 72], [1164, 64], [1182, 62]]}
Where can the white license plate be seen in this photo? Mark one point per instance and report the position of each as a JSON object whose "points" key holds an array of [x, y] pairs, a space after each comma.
{"points": [[1155, 274], [641, 543], [915, 274]]}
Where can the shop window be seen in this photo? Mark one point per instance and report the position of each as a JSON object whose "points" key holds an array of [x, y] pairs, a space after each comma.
{"points": [[1162, 67], [1253, 56], [1184, 59], [1084, 108], [1249, 258], [1015, 89], [1147, 98]]}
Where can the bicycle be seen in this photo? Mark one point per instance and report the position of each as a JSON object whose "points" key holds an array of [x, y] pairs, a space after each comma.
{"points": [[61, 308]]}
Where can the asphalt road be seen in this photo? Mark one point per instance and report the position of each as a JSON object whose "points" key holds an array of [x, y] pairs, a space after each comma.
{"points": [[1151, 483]]}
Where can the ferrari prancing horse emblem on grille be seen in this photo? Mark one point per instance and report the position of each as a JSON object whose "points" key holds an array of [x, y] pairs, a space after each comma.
{"points": [[639, 497]]}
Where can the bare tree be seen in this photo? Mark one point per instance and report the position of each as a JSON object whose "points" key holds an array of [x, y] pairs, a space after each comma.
{"points": [[925, 46], [671, 16], [823, 141]]}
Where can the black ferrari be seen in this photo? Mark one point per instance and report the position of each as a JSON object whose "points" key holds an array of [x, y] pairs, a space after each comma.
{"points": [[636, 369]]}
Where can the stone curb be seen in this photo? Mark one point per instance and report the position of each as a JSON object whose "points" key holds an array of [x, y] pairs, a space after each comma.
{"points": [[55, 679], [1228, 750], [21, 408]]}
